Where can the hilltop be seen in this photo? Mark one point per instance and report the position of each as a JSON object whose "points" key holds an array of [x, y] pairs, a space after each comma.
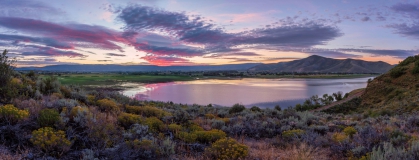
{"points": [[316, 63]]}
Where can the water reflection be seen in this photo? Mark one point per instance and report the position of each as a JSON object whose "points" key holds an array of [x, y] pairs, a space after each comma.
{"points": [[259, 92]]}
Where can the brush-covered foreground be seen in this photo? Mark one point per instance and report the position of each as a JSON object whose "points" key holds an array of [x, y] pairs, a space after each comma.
{"points": [[41, 119], [71, 123]]}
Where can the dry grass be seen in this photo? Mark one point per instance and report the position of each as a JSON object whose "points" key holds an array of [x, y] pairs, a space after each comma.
{"points": [[6, 155], [305, 152], [262, 149]]}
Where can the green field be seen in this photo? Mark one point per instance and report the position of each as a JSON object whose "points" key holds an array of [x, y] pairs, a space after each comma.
{"points": [[115, 79], [112, 79]]}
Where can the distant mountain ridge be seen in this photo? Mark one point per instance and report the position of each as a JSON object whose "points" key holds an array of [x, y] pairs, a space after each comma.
{"points": [[316, 63], [137, 68]]}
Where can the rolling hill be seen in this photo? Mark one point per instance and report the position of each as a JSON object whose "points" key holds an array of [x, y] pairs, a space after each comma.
{"points": [[325, 65]]}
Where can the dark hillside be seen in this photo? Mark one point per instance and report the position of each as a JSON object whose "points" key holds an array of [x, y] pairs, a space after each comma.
{"points": [[326, 65]]}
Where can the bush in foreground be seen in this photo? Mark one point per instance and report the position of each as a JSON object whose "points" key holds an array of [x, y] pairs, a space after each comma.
{"points": [[50, 141], [227, 148]]}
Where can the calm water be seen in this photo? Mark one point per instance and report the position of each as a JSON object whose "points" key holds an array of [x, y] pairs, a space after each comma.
{"points": [[249, 92]]}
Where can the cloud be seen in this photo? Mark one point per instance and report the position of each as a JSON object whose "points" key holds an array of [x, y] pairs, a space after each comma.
{"points": [[115, 54], [27, 8], [332, 54], [232, 54], [104, 60], [406, 30], [365, 19], [381, 52], [166, 60], [169, 51], [177, 24], [74, 34], [51, 52], [45, 41], [294, 35], [407, 9], [195, 30]]}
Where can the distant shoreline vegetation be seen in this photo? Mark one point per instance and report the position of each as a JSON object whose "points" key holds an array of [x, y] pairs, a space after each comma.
{"points": [[114, 78]]}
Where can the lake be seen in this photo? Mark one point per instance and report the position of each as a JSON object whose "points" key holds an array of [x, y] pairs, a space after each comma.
{"points": [[249, 91]]}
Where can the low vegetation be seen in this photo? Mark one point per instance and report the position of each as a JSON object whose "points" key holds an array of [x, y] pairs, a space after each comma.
{"points": [[52, 121]]}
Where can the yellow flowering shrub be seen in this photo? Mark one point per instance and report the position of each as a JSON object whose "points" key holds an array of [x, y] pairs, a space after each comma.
{"points": [[49, 140], [76, 110], [127, 119], [210, 116], [293, 132], [140, 144], [186, 137], [48, 117], [227, 148], [107, 105], [175, 127], [339, 137], [154, 124], [349, 131], [225, 120], [57, 95], [195, 127], [210, 136], [11, 114], [147, 111], [91, 98]]}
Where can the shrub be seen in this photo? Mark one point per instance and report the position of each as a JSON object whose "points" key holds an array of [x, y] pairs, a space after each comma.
{"points": [[416, 68], [108, 106], [48, 117], [227, 148], [155, 124], [61, 103], [187, 137], [175, 127], [147, 111], [76, 111], [278, 108], [210, 136], [210, 116], [127, 119], [11, 114], [397, 72], [236, 108], [292, 133], [255, 109], [349, 131], [195, 127], [50, 141], [339, 137], [91, 99]]}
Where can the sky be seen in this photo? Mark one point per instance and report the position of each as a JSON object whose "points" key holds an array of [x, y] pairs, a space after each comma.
{"points": [[202, 32]]}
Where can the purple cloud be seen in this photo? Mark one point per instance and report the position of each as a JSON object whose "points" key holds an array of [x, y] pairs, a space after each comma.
{"points": [[16, 39], [115, 54], [233, 54], [51, 52], [407, 9], [406, 30], [166, 60], [381, 52], [294, 35], [92, 36]]}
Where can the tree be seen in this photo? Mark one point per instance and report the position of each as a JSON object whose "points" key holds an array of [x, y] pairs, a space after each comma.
{"points": [[6, 72]]}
